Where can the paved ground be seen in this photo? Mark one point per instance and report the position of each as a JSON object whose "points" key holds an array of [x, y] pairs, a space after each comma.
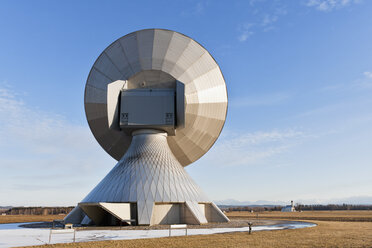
{"points": [[12, 235]]}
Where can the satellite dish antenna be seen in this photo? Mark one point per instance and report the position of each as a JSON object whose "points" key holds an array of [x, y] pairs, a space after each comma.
{"points": [[156, 101]]}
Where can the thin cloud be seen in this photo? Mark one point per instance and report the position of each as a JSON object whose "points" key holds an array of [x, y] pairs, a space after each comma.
{"points": [[263, 18], [196, 9], [367, 74], [268, 22], [364, 82], [260, 100], [249, 149], [329, 5], [254, 2], [36, 145], [199, 8], [245, 31]]}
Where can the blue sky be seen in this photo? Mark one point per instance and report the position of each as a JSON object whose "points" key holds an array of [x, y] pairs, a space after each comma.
{"points": [[299, 79]]}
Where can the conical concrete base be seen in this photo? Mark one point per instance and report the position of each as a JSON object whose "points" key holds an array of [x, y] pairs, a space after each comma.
{"points": [[154, 185]]}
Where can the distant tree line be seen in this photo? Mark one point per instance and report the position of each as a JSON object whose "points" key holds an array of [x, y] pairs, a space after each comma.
{"points": [[298, 207], [38, 210], [251, 208], [303, 207]]}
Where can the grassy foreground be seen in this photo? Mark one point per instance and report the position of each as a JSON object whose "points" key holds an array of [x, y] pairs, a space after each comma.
{"points": [[343, 229], [28, 218], [326, 234], [353, 215]]}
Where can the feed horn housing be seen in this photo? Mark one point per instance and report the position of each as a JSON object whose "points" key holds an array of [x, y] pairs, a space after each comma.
{"points": [[156, 101], [145, 108]]}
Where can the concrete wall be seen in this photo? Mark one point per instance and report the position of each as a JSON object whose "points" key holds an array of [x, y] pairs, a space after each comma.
{"points": [[172, 213], [202, 207], [167, 213], [95, 213], [213, 214], [189, 217]]}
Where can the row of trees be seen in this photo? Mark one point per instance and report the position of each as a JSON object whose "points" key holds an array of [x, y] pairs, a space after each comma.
{"points": [[38, 210], [251, 208], [298, 207]]}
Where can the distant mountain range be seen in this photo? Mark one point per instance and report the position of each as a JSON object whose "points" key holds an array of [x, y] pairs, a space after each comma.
{"points": [[355, 200], [250, 203]]}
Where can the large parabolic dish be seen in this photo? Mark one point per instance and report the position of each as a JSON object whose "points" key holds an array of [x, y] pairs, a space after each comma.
{"points": [[156, 101], [161, 56]]}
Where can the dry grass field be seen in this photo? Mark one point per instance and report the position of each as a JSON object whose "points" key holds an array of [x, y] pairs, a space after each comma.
{"points": [[353, 215], [341, 229], [28, 218], [326, 234]]}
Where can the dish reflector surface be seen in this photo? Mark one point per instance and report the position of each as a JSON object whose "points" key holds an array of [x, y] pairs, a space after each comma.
{"points": [[156, 52]]}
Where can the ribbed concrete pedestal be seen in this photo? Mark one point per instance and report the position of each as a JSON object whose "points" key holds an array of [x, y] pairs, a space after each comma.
{"points": [[150, 177]]}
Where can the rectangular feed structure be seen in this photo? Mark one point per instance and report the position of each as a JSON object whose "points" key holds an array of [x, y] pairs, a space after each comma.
{"points": [[148, 108]]}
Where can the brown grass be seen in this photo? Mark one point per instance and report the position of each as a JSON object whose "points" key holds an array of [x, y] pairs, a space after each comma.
{"points": [[327, 234], [28, 218], [352, 215]]}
